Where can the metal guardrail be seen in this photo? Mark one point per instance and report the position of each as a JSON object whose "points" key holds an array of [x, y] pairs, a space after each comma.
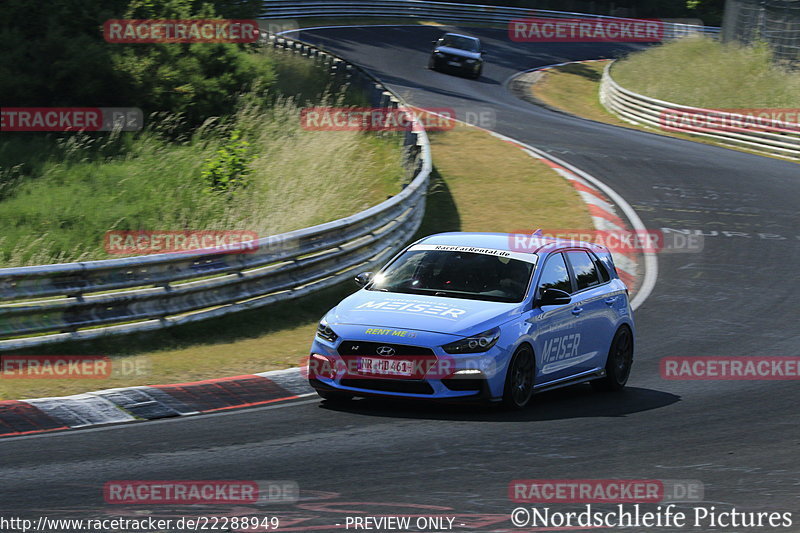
{"points": [[438, 11], [89, 300], [769, 136]]}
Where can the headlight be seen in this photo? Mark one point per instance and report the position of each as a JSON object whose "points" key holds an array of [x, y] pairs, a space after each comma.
{"points": [[437, 53], [474, 344], [325, 331]]}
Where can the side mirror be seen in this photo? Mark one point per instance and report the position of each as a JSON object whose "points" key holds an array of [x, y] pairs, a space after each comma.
{"points": [[554, 297], [363, 279]]}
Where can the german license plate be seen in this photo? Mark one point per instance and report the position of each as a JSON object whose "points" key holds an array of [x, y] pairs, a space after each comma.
{"points": [[454, 63], [385, 367]]}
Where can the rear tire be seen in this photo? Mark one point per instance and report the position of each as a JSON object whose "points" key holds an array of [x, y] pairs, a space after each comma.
{"points": [[518, 388], [619, 362], [334, 397]]}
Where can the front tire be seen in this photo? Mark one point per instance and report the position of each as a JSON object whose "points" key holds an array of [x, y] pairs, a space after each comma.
{"points": [[518, 388], [619, 362]]}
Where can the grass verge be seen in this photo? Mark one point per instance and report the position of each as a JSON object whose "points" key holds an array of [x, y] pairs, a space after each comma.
{"points": [[703, 72], [480, 184], [60, 194], [575, 89]]}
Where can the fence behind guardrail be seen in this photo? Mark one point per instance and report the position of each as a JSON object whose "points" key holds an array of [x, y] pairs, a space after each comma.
{"points": [[437, 11], [776, 22]]}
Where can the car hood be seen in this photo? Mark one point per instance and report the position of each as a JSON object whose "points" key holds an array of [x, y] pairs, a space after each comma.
{"points": [[454, 316], [458, 52]]}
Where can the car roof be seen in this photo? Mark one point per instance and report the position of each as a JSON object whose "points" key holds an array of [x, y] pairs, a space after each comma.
{"points": [[462, 35], [512, 242]]}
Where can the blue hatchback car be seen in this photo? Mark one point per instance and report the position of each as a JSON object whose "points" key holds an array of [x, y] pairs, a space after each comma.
{"points": [[478, 316]]}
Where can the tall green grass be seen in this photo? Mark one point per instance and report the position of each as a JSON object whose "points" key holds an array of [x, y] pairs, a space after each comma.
{"points": [[706, 73], [60, 195]]}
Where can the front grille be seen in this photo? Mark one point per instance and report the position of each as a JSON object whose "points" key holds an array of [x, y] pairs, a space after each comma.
{"points": [[371, 348], [450, 57], [407, 386]]}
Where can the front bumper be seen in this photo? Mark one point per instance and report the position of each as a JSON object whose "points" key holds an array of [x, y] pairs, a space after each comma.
{"points": [[480, 395], [441, 376], [456, 65]]}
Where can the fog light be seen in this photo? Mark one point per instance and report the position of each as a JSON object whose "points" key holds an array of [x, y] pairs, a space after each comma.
{"points": [[321, 366]]}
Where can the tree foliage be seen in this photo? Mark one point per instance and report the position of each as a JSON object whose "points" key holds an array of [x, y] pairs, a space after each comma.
{"points": [[54, 54]]}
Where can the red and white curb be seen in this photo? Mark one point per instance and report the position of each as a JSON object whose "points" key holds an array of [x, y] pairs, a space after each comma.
{"points": [[639, 271], [123, 405], [605, 219], [601, 209]]}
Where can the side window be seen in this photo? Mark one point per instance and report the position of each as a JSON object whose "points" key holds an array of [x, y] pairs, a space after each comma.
{"points": [[555, 275], [585, 270]]}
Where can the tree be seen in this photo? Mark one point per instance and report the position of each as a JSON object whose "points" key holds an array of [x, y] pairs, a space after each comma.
{"points": [[54, 54]]}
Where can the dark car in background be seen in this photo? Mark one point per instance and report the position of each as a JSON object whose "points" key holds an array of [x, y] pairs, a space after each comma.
{"points": [[458, 53]]}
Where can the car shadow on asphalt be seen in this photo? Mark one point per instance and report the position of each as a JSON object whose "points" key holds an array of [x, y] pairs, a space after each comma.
{"points": [[579, 401]]}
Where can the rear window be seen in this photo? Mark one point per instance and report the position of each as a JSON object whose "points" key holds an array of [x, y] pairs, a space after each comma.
{"points": [[601, 270]]}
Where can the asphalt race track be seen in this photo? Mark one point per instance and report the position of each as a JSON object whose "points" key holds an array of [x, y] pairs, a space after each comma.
{"points": [[740, 296]]}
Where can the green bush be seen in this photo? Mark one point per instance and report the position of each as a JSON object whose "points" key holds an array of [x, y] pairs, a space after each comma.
{"points": [[227, 170]]}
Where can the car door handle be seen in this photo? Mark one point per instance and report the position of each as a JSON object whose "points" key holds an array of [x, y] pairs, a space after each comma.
{"points": [[610, 301], [577, 311]]}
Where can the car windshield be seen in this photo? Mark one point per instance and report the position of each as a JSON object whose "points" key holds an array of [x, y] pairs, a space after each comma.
{"points": [[462, 43], [456, 274]]}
